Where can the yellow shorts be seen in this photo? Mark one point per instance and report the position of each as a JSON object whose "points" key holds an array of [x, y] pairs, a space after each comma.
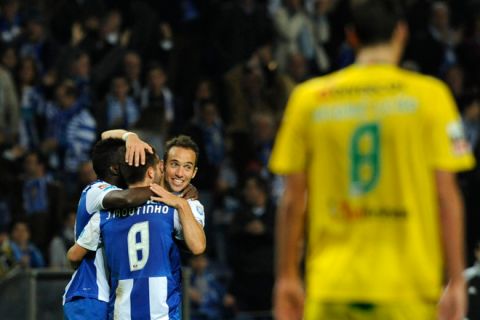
{"points": [[366, 311]]}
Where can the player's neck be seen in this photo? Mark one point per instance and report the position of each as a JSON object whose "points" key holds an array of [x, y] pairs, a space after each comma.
{"points": [[144, 183], [378, 54]]}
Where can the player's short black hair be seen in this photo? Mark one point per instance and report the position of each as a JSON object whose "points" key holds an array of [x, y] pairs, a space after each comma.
{"points": [[375, 20], [132, 174], [106, 153], [181, 141]]}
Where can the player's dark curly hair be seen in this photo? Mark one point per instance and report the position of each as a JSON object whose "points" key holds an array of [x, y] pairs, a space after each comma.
{"points": [[105, 154]]}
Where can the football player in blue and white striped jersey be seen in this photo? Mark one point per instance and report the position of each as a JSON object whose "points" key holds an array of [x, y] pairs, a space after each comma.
{"points": [[87, 294], [139, 246]]}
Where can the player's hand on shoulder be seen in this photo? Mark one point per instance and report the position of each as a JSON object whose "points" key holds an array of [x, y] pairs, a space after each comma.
{"points": [[162, 195], [136, 149], [190, 193]]}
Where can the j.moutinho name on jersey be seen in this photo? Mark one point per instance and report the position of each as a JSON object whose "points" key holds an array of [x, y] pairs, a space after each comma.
{"points": [[150, 207]]}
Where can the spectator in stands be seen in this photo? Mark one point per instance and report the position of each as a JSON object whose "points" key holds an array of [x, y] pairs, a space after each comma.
{"points": [[240, 28], [6, 254], [297, 69], [472, 277], [10, 21], [163, 44], [263, 135], [71, 131], [62, 242], [158, 95], [41, 200], [132, 67], [31, 104], [8, 58], [204, 90], [252, 248], [208, 132], [256, 85], [321, 31], [471, 119], [454, 77], [9, 109], [37, 43], [80, 73], [25, 253], [205, 291], [294, 32], [469, 53], [122, 110], [435, 49]]}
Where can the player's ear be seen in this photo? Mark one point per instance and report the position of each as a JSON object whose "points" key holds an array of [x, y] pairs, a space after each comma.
{"points": [[150, 173], [115, 169]]}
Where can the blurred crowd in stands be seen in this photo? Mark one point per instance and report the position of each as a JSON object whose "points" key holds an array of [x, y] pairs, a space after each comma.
{"points": [[218, 70]]}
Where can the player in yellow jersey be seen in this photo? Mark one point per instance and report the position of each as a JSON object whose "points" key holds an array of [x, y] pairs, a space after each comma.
{"points": [[370, 155]]}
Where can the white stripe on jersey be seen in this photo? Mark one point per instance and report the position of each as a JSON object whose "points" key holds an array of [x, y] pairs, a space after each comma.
{"points": [[121, 310], [158, 298], [102, 283], [68, 287]]}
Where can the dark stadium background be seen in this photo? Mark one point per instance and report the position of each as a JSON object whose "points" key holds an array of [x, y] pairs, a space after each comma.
{"points": [[220, 71]]}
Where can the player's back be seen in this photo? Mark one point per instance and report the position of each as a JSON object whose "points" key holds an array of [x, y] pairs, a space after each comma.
{"points": [[138, 245], [370, 138]]}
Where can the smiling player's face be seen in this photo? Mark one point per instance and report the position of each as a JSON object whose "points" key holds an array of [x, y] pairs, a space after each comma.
{"points": [[179, 168]]}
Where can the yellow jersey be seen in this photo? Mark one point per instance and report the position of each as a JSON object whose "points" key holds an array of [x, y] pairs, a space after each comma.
{"points": [[369, 138]]}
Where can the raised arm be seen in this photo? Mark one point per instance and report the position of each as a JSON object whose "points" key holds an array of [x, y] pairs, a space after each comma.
{"points": [[135, 154], [288, 294], [454, 301], [193, 232]]}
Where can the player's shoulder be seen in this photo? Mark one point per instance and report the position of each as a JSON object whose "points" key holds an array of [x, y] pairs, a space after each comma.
{"points": [[99, 185], [196, 206], [418, 80]]}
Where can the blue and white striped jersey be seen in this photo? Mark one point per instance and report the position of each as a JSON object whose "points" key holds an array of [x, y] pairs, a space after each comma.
{"points": [[90, 280], [142, 258]]}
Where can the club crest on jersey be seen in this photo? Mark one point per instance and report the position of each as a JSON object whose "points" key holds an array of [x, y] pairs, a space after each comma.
{"points": [[459, 143]]}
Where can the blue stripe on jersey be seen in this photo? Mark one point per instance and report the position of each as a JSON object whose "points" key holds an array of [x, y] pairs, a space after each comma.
{"points": [[140, 297]]}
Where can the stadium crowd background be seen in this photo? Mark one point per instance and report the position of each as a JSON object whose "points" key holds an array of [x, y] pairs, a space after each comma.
{"points": [[220, 71]]}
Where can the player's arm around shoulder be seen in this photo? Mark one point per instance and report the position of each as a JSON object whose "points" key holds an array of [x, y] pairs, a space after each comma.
{"points": [[75, 255], [190, 214], [127, 198]]}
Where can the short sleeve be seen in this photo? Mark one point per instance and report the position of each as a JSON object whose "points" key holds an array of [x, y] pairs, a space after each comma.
{"points": [[198, 213], [289, 154], [95, 195], [90, 236], [449, 148]]}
